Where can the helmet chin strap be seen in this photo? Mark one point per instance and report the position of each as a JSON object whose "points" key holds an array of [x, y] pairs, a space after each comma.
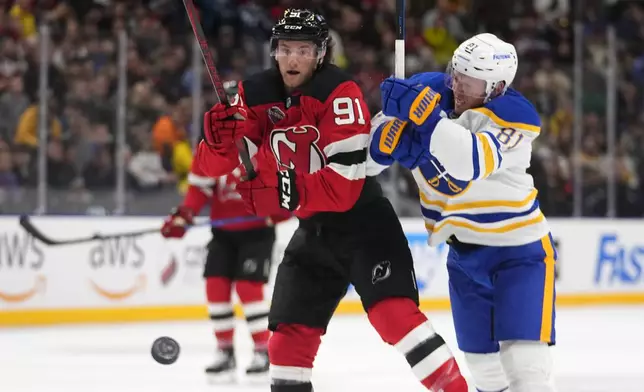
{"points": [[492, 94], [321, 55]]}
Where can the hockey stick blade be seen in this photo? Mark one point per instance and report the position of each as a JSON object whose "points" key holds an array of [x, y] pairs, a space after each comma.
{"points": [[34, 232]]}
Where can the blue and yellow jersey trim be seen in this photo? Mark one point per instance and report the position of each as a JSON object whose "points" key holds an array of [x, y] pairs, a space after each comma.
{"points": [[503, 227], [479, 206], [547, 310], [478, 218], [512, 110], [487, 157], [507, 118]]}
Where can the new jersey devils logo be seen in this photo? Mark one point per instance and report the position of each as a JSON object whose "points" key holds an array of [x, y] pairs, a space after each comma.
{"points": [[296, 147]]}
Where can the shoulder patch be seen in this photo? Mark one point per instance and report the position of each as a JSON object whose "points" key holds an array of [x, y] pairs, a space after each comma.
{"points": [[512, 110], [263, 88], [325, 81]]}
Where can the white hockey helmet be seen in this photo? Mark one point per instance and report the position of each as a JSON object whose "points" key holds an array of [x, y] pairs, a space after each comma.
{"points": [[488, 58]]}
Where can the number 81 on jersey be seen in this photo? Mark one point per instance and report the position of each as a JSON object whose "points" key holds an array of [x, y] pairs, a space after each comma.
{"points": [[509, 137]]}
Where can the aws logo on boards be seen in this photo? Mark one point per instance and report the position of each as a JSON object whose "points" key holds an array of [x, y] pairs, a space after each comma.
{"points": [[21, 263], [117, 268]]}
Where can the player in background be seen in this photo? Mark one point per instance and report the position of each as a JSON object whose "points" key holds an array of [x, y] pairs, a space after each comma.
{"points": [[239, 254], [307, 125], [467, 137]]}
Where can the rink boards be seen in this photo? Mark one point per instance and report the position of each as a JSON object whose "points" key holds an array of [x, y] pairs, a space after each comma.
{"points": [[150, 278]]}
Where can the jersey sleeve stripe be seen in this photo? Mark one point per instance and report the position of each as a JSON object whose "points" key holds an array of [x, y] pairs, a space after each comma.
{"points": [[353, 143], [488, 154], [507, 124], [205, 184], [350, 172], [476, 165], [349, 158], [490, 150], [200, 181], [497, 146]]}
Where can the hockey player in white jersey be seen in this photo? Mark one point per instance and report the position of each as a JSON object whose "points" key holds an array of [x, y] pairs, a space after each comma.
{"points": [[467, 137]]}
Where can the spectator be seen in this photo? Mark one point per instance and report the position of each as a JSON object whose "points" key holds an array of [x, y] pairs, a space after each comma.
{"points": [[27, 130], [8, 179], [61, 173], [13, 103], [99, 173], [146, 168], [22, 11], [83, 77], [171, 129]]}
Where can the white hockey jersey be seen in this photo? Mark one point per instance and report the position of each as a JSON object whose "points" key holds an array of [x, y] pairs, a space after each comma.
{"points": [[476, 187]]}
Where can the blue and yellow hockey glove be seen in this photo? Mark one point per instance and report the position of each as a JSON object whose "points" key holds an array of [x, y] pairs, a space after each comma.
{"points": [[400, 141], [408, 100]]}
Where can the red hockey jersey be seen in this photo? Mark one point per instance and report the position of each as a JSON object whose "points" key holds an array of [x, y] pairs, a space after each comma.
{"points": [[320, 130], [225, 202]]}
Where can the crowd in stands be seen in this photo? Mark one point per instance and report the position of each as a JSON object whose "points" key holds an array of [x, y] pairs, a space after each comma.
{"points": [[83, 74]]}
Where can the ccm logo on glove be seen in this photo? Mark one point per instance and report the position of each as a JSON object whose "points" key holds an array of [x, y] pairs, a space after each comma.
{"points": [[423, 105], [391, 135], [288, 196]]}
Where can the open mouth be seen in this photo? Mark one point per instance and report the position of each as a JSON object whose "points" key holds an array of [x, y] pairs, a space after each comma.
{"points": [[291, 72]]}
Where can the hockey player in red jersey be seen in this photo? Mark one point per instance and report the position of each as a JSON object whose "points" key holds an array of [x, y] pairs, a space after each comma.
{"points": [[306, 124], [239, 255]]}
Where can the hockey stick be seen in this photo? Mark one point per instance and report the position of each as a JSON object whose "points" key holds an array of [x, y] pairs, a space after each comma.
{"points": [[399, 49], [399, 72], [29, 227], [216, 80]]}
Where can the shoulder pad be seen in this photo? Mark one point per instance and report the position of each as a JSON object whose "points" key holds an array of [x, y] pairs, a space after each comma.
{"points": [[512, 110], [325, 81], [263, 88]]}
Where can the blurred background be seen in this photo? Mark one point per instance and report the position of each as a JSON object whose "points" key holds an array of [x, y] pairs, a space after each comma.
{"points": [[101, 100]]}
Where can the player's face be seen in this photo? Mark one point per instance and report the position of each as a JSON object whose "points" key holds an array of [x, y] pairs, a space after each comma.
{"points": [[469, 92], [296, 60]]}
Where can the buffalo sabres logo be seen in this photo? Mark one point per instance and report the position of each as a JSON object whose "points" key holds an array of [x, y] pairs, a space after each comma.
{"points": [[275, 114], [438, 178], [381, 271], [296, 147]]}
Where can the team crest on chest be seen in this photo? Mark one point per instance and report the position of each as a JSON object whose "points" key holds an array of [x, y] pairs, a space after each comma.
{"points": [[296, 147]]}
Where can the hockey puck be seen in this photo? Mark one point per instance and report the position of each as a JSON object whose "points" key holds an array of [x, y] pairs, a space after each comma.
{"points": [[165, 350]]}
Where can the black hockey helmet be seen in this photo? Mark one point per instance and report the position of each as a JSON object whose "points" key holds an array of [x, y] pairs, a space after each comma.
{"points": [[301, 25]]}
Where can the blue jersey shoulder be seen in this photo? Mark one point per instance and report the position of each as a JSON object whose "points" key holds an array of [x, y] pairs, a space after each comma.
{"points": [[515, 108], [437, 81]]}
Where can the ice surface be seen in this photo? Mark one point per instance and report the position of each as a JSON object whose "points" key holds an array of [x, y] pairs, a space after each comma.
{"points": [[599, 349]]}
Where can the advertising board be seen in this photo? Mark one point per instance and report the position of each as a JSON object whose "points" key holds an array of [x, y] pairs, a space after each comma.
{"points": [[151, 278]]}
